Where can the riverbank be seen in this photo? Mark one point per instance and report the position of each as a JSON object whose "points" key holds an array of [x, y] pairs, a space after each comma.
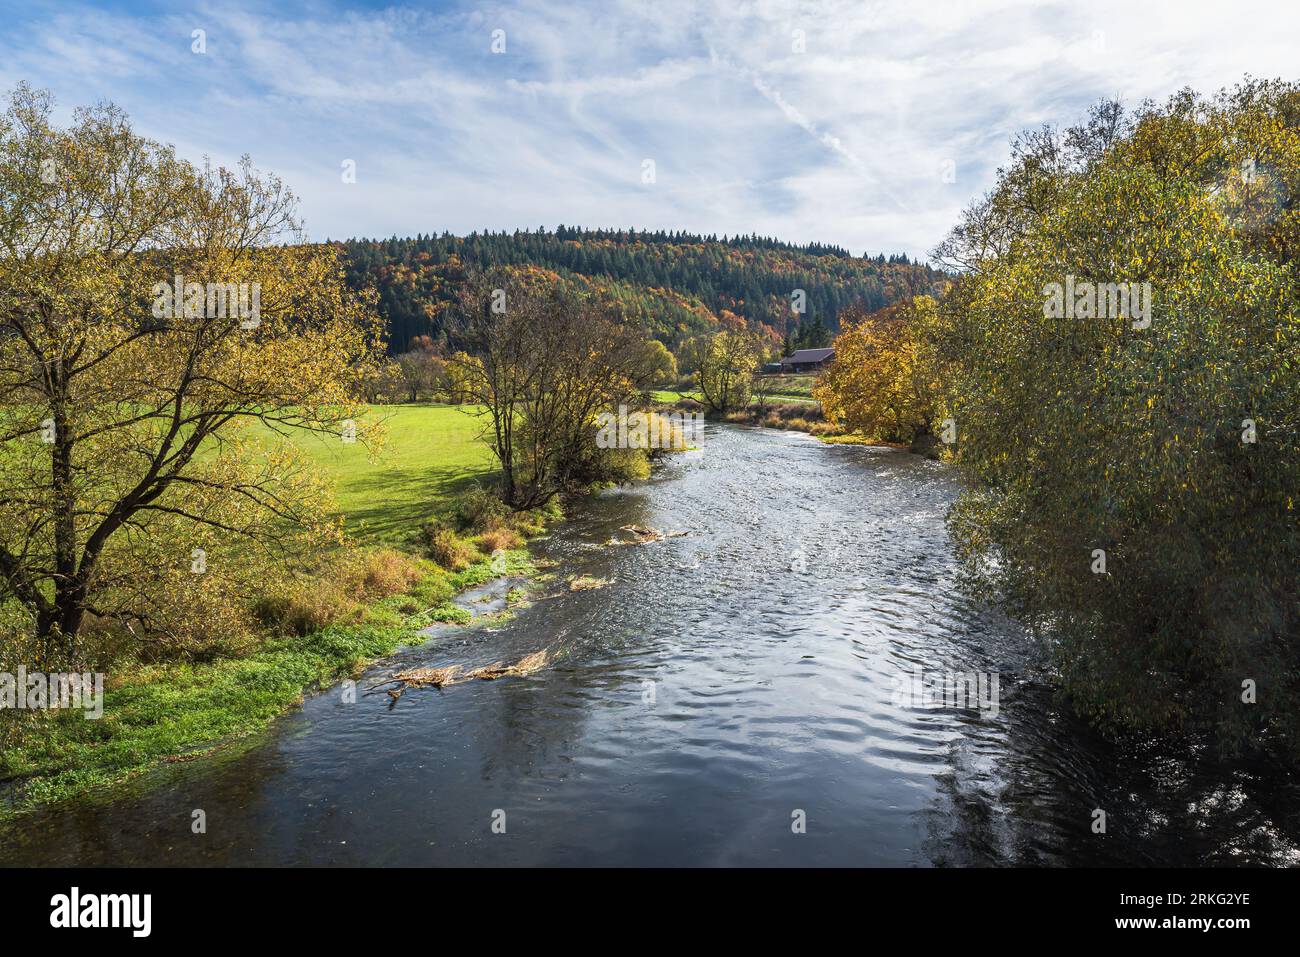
{"points": [[417, 541], [157, 714], [415, 556], [795, 416]]}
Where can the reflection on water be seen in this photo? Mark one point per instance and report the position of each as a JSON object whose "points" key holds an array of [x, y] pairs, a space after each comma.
{"points": [[723, 681]]}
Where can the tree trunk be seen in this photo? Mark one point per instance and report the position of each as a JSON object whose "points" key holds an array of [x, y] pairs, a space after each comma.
{"points": [[69, 594]]}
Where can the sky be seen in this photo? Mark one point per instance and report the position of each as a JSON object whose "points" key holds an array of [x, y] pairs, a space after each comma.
{"points": [[867, 125]]}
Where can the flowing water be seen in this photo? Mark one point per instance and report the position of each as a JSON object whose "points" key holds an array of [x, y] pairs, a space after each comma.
{"points": [[729, 698]]}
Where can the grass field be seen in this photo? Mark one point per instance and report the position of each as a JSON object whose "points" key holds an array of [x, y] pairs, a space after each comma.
{"points": [[430, 452], [793, 385]]}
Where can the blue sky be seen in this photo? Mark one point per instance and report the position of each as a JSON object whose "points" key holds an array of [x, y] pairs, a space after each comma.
{"points": [[829, 121]]}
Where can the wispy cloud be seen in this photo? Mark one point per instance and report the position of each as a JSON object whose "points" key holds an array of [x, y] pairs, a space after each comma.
{"points": [[808, 120]]}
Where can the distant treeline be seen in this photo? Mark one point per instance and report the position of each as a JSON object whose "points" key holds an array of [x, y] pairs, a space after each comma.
{"points": [[676, 283]]}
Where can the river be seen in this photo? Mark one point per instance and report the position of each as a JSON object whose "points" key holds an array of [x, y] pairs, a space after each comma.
{"points": [[730, 698]]}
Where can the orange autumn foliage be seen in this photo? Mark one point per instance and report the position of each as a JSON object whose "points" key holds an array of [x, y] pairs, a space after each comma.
{"points": [[879, 384]]}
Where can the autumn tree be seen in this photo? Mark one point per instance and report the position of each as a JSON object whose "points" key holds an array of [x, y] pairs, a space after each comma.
{"points": [[723, 364], [659, 363], [1132, 461], [422, 371], [384, 383], [880, 383], [150, 310], [542, 362], [459, 377], [761, 386]]}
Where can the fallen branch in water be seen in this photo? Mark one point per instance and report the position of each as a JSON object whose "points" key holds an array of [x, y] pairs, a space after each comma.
{"points": [[587, 582], [417, 678], [526, 665], [644, 535], [450, 675]]}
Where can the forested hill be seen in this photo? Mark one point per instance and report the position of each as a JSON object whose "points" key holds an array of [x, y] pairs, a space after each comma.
{"points": [[677, 283]]}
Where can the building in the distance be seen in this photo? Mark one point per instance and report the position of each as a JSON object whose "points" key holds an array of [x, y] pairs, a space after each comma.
{"points": [[807, 360]]}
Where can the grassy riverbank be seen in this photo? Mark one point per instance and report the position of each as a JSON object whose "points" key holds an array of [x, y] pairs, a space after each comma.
{"points": [[154, 714], [671, 396], [793, 411], [795, 415]]}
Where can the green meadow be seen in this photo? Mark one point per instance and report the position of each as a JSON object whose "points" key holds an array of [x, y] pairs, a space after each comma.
{"points": [[428, 453]]}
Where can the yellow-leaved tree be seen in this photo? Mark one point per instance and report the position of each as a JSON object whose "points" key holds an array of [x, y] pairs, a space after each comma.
{"points": [[724, 364], [1120, 358], [151, 311], [881, 383]]}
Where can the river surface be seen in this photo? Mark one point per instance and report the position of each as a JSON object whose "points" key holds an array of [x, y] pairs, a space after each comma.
{"points": [[730, 698]]}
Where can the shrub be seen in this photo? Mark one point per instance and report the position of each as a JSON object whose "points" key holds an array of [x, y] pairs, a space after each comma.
{"points": [[665, 435], [805, 411], [535, 521], [191, 618], [499, 539], [300, 607], [617, 467], [450, 550], [478, 510], [379, 574]]}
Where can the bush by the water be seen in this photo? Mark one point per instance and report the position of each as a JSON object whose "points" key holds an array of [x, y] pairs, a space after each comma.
{"points": [[448, 549], [499, 540], [477, 523], [336, 590], [794, 416], [1134, 485]]}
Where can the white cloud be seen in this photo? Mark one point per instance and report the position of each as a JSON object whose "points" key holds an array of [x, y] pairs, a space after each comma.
{"points": [[841, 143]]}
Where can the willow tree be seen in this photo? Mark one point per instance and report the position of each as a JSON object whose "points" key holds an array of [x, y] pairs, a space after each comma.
{"points": [[149, 308], [1134, 467], [724, 364]]}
